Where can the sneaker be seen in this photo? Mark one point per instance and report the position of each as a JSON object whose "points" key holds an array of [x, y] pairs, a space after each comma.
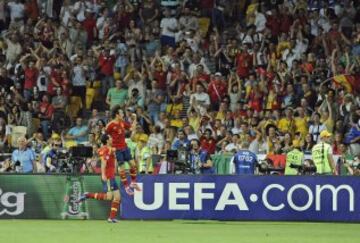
{"points": [[114, 221], [135, 186], [82, 198], [129, 191]]}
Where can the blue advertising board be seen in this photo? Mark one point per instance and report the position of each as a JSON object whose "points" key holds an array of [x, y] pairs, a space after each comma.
{"points": [[280, 198]]}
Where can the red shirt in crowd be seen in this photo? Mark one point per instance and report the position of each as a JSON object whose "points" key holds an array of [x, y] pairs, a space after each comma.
{"points": [[160, 77], [217, 90], [106, 64], [285, 23], [116, 129], [208, 144], [55, 76], [273, 23], [108, 154], [31, 75], [47, 110], [207, 4], [89, 25], [197, 79], [244, 63]]}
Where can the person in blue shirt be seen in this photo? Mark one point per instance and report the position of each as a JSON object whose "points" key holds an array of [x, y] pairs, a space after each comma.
{"points": [[181, 142], [49, 159], [78, 133], [199, 160], [24, 157], [245, 161]]}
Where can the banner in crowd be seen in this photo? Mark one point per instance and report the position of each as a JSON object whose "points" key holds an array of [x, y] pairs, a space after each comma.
{"points": [[295, 198]]}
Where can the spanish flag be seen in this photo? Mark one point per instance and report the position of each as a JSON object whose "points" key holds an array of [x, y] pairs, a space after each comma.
{"points": [[346, 81]]}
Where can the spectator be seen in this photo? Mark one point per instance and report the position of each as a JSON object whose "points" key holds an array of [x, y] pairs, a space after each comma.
{"points": [[23, 158], [117, 95], [199, 160], [79, 132]]}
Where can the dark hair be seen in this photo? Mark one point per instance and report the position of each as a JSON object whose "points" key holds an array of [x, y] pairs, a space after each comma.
{"points": [[104, 138], [115, 110]]}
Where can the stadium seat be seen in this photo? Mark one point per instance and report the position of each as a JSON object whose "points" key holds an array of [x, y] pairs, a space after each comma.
{"points": [[17, 131]]}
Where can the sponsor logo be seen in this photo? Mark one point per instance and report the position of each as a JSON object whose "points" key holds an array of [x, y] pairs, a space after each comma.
{"points": [[192, 197], [74, 208], [12, 203]]}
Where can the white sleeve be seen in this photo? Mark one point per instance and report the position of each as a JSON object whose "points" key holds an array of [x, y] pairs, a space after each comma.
{"points": [[207, 101]]}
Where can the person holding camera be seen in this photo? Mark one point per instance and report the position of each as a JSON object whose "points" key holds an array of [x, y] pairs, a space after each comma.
{"points": [[50, 158], [199, 160], [23, 158], [294, 159]]}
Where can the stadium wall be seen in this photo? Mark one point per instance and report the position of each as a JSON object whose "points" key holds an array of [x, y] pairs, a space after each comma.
{"points": [[280, 198]]}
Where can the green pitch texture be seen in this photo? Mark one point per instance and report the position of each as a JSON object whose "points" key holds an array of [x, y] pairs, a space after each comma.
{"points": [[50, 231]]}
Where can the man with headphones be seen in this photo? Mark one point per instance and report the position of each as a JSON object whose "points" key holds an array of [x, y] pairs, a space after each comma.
{"points": [[199, 160], [322, 155]]}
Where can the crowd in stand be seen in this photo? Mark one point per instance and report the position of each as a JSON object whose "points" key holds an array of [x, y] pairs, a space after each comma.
{"points": [[271, 73]]}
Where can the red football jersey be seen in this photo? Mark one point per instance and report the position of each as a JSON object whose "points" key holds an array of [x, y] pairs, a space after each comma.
{"points": [[108, 154], [116, 129]]}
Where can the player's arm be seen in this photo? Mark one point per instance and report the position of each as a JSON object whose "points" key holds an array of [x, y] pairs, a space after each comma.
{"points": [[103, 166]]}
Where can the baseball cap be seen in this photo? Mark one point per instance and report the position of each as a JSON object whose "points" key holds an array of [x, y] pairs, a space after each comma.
{"points": [[325, 134]]}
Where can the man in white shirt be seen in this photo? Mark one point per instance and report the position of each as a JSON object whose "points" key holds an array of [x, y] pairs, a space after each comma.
{"points": [[17, 11], [169, 27], [260, 21], [200, 100]]}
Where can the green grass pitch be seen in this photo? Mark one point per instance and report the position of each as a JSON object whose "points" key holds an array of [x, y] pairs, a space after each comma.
{"points": [[177, 231]]}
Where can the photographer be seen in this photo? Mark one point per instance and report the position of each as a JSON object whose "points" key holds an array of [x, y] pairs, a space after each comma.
{"points": [[199, 160], [294, 159], [23, 157]]}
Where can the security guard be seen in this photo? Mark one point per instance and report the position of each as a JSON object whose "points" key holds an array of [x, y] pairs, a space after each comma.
{"points": [[294, 159], [143, 156], [322, 155]]}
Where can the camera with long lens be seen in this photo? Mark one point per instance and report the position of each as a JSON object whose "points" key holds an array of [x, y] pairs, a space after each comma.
{"points": [[307, 168], [78, 156], [266, 167], [179, 158]]}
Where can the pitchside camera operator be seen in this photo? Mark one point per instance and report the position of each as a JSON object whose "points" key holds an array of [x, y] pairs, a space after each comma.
{"points": [[199, 160], [51, 158]]}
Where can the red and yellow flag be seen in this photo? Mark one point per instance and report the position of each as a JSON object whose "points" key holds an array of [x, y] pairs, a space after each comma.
{"points": [[346, 81]]}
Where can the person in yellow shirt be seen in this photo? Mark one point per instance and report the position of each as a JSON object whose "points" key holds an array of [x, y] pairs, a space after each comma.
{"points": [[177, 121], [301, 122], [287, 123], [327, 117]]}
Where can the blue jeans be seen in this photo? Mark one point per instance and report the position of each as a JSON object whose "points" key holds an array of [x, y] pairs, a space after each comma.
{"points": [[218, 19], [45, 128], [106, 84]]}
